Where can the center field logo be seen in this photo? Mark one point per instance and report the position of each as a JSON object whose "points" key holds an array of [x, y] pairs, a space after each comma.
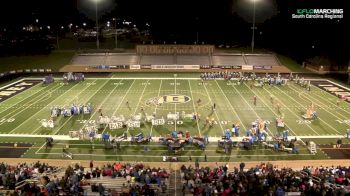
{"points": [[174, 99]]}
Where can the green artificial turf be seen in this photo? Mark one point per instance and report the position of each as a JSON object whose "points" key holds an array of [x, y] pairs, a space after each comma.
{"points": [[22, 113]]}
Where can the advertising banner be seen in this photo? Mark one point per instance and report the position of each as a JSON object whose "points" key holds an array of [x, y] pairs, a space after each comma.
{"points": [[247, 67], [135, 66], [185, 67]]}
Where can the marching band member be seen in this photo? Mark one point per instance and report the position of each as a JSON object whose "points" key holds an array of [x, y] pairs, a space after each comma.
{"points": [[254, 98]]}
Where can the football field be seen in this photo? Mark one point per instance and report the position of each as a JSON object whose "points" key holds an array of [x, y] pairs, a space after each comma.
{"points": [[23, 113]]}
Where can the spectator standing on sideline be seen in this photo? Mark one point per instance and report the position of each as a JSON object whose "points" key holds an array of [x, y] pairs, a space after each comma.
{"points": [[196, 164], [145, 149], [241, 166], [101, 189], [339, 142], [348, 133], [91, 165]]}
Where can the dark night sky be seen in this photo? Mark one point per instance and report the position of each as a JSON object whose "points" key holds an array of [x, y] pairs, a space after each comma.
{"points": [[224, 21]]}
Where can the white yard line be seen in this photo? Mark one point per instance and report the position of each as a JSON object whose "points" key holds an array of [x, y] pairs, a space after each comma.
{"points": [[44, 108], [330, 101], [96, 109], [345, 117], [12, 83], [338, 85], [155, 109], [55, 137], [305, 108], [292, 112], [175, 103], [211, 101], [67, 103], [158, 145], [233, 109], [127, 130], [19, 110], [289, 127], [103, 101], [195, 110], [37, 152], [120, 103], [251, 107]]}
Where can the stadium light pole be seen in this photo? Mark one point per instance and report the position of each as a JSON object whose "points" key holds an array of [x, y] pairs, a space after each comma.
{"points": [[116, 32], [253, 28], [197, 33], [96, 10]]}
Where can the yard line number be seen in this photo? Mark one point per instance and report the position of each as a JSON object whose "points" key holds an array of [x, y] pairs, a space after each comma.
{"points": [[231, 84], [303, 122], [90, 83], [179, 122], [86, 121], [173, 83], [118, 84], [347, 121], [205, 84]]}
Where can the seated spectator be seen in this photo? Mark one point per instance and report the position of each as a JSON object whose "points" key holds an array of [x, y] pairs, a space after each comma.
{"points": [[101, 189]]}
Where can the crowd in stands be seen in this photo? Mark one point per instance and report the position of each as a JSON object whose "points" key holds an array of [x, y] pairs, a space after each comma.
{"points": [[139, 179], [265, 179], [12, 175]]}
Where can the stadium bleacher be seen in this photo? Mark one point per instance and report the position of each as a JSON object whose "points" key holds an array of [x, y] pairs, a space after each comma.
{"points": [[228, 60], [265, 59], [192, 60], [94, 59], [122, 59], [156, 60]]}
